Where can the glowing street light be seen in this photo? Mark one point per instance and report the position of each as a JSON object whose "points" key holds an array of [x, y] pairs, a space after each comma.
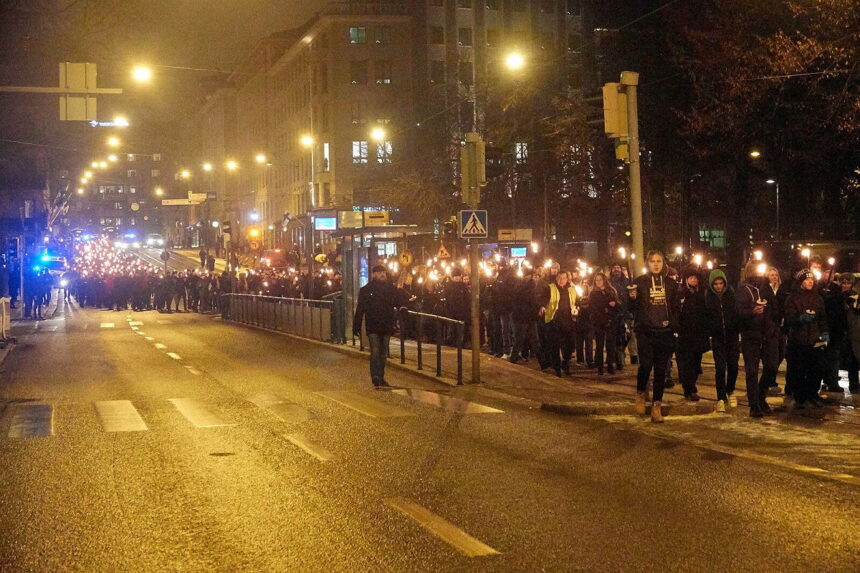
{"points": [[207, 166], [141, 74], [94, 164], [113, 141], [377, 134], [215, 224], [679, 250], [755, 153], [515, 61], [88, 174], [120, 121], [231, 165], [831, 261], [112, 158], [158, 191], [622, 252], [185, 174], [103, 164], [307, 140], [758, 255], [84, 180], [80, 191], [806, 253], [260, 158]]}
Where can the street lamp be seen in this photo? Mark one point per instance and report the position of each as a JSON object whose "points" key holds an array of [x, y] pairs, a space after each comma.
{"points": [[755, 153], [377, 134], [80, 191], [113, 141], [679, 250], [185, 174], [515, 61], [141, 74], [260, 158], [776, 183], [103, 164], [207, 167], [120, 121], [215, 224], [88, 174], [112, 158], [158, 191], [94, 164], [231, 165]]}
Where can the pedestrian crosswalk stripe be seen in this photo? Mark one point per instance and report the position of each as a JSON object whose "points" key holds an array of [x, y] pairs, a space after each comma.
{"points": [[107, 325], [141, 333], [448, 403], [120, 416], [199, 414], [135, 323], [134, 328], [441, 528], [160, 346], [32, 421], [317, 451], [365, 405], [174, 356], [285, 411]]}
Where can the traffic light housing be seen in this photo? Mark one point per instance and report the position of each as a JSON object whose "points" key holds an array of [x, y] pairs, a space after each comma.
{"points": [[226, 228], [614, 110], [473, 168]]}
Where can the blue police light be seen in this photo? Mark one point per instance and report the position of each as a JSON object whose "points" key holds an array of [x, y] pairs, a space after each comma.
{"points": [[129, 235], [37, 268], [46, 258], [254, 216], [86, 237]]}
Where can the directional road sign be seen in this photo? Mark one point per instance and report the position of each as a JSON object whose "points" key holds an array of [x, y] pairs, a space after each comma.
{"points": [[473, 224]]}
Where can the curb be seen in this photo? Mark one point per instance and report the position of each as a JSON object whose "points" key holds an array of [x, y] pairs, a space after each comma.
{"points": [[624, 409]]}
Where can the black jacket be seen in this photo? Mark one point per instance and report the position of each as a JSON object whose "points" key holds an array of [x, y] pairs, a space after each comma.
{"points": [[722, 314], [378, 302], [601, 312], [765, 324], [796, 305], [645, 312], [526, 306], [693, 332]]}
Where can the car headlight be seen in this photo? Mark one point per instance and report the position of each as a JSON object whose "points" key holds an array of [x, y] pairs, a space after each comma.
{"points": [[160, 242]]}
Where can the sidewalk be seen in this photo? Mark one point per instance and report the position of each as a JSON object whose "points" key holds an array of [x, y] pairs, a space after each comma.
{"points": [[193, 256]]}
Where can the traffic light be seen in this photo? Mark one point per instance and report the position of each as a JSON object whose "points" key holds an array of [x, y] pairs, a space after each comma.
{"points": [[494, 166], [254, 233], [472, 168], [225, 227]]}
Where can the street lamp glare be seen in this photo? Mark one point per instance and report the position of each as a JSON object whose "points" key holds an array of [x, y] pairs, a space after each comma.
{"points": [[515, 61], [307, 140], [120, 121], [231, 165], [207, 167], [185, 174], [755, 153], [84, 179], [377, 134], [159, 191], [88, 174], [113, 141], [94, 164], [260, 158], [103, 164], [112, 158], [80, 191], [141, 74], [770, 181], [679, 250]]}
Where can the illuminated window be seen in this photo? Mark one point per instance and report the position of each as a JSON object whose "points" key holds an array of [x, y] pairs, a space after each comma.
{"points": [[521, 151], [359, 152], [357, 35], [326, 166], [132, 173], [383, 152], [383, 72]]}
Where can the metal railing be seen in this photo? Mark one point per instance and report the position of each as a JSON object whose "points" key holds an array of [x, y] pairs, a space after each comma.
{"points": [[415, 325], [302, 317]]}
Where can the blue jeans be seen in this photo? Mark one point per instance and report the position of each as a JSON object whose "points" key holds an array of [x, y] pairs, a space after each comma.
{"points": [[378, 355]]}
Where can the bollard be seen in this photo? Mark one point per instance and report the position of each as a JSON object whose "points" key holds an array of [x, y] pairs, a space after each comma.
{"points": [[403, 314], [460, 328], [438, 349], [419, 340]]}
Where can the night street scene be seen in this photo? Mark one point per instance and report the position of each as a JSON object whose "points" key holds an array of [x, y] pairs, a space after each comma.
{"points": [[430, 285]]}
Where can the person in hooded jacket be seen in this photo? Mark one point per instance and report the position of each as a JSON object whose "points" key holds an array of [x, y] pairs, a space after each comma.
{"points": [[760, 332], [655, 306], [693, 339], [806, 320], [724, 332]]}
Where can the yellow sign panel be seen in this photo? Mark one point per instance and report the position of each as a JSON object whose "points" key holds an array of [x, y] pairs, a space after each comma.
{"points": [[406, 258], [443, 252]]}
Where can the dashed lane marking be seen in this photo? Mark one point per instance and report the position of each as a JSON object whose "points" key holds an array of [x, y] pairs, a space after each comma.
{"points": [[160, 346], [150, 338], [141, 333], [441, 528], [134, 328], [174, 356], [448, 403], [120, 416], [200, 415], [107, 325], [317, 451], [364, 405], [32, 421], [135, 323], [193, 370]]}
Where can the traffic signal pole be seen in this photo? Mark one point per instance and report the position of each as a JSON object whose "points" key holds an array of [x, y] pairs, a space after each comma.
{"points": [[630, 81]]}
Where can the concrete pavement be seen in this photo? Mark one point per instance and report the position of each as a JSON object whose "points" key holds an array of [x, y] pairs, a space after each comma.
{"points": [[166, 442]]}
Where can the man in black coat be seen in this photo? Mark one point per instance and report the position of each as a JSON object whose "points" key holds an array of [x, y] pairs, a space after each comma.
{"points": [[377, 306]]}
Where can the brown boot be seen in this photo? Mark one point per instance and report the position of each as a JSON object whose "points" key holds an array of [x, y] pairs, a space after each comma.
{"points": [[639, 404], [657, 412]]}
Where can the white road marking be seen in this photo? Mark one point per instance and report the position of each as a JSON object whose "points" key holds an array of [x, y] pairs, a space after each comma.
{"points": [[448, 403], [135, 323], [193, 370], [134, 328], [280, 408], [120, 416], [141, 333], [441, 528], [149, 338], [365, 405], [160, 346], [107, 325], [311, 448], [174, 356], [198, 413], [32, 421]]}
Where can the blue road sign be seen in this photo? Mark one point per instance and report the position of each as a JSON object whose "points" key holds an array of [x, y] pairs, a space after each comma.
{"points": [[473, 224]]}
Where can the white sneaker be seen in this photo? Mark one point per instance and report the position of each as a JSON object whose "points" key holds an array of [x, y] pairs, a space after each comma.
{"points": [[721, 406], [733, 401]]}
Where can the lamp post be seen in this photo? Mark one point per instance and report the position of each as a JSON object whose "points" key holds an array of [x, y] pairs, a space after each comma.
{"points": [[775, 183]]}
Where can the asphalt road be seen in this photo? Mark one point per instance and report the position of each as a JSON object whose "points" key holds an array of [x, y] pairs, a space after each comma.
{"points": [[177, 442]]}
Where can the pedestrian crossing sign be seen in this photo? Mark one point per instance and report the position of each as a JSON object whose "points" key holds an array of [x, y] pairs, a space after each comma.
{"points": [[473, 224]]}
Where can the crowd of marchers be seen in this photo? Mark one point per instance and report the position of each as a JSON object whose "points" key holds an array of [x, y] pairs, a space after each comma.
{"points": [[588, 318], [103, 276]]}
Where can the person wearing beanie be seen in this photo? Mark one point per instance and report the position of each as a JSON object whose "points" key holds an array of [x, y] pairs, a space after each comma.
{"points": [[724, 330], [655, 306], [759, 321], [806, 320], [693, 339]]}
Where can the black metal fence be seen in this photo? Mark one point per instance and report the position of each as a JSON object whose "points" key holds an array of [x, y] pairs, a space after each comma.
{"points": [[316, 319]]}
